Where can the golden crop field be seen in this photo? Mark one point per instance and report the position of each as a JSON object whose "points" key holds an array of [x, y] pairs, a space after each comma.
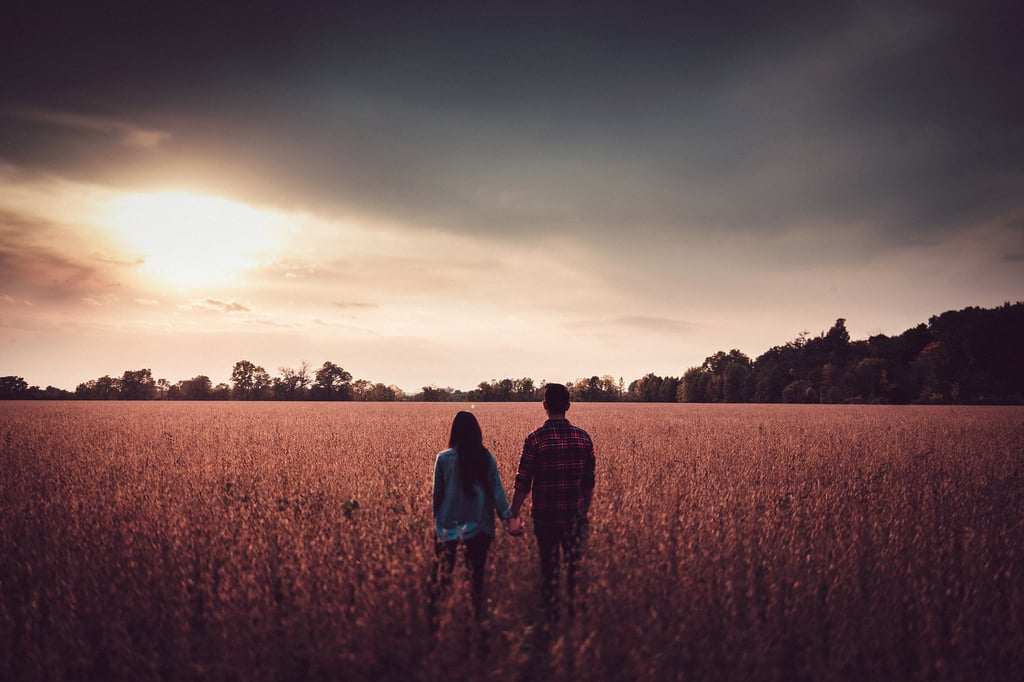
{"points": [[270, 541]]}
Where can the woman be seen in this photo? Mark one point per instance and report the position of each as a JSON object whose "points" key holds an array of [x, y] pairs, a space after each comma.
{"points": [[467, 491]]}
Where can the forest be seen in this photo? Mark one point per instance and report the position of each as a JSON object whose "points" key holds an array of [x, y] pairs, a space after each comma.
{"points": [[971, 356]]}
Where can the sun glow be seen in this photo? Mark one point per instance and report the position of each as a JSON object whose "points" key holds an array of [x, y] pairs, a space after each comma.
{"points": [[188, 240]]}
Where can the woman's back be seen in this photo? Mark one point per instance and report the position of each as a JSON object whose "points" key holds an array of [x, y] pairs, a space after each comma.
{"points": [[457, 515]]}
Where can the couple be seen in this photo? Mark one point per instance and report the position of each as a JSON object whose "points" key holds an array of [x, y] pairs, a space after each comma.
{"points": [[557, 465]]}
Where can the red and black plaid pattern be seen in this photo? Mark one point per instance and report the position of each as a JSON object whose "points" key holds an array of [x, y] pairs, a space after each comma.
{"points": [[558, 465]]}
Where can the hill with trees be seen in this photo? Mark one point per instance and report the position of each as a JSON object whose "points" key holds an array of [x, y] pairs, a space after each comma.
{"points": [[970, 356]]}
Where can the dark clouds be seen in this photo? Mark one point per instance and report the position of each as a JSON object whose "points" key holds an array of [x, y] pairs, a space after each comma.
{"points": [[36, 266], [586, 118]]}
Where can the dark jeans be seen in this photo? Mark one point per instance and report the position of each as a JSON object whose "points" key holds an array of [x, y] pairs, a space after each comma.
{"points": [[444, 565], [557, 545]]}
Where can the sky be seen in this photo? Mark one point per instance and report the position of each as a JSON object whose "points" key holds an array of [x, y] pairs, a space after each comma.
{"points": [[449, 193]]}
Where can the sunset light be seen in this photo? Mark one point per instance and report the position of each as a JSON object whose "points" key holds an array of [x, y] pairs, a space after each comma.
{"points": [[443, 198], [186, 240], [265, 266]]}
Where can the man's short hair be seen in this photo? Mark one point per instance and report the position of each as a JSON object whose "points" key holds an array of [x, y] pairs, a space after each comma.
{"points": [[556, 397]]}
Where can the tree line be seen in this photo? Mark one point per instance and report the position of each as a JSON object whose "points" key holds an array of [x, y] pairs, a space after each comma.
{"points": [[970, 356], [249, 381]]}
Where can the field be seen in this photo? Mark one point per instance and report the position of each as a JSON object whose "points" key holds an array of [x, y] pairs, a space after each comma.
{"points": [[272, 541]]}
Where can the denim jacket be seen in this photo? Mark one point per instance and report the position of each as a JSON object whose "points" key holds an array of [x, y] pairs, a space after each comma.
{"points": [[457, 516]]}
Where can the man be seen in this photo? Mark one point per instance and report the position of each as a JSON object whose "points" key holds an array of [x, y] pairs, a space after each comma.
{"points": [[557, 465]]}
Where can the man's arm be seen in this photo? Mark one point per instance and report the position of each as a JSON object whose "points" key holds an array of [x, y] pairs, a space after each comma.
{"points": [[588, 495], [524, 478], [587, 484], [513, 525], [517, 501]]}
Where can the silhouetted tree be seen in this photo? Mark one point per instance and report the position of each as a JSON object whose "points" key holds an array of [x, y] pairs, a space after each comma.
{"points": [[734, 382], [197, 388], [104, 388], [652, 388], [293, 384], [380, 392], [694, 385], [974, 356], [503, 390], [332, 383], [523, 390], [50, 393], [249, 381], [163, 389], [722, 377], [13, 388], [433, 394], [138, 385]]}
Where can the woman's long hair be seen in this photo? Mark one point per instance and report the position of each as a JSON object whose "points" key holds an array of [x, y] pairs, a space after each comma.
{"points": [[468, 441]]}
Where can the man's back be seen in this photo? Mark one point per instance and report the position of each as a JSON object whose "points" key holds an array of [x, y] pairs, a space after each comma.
{"points": [[557, 463]]}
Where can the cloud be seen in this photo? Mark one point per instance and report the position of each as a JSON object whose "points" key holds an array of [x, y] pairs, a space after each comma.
{"points": [[33, 266], [127, 133], [233, 307], [276, 324], [639, 323], [100, 301], [653, 323], [353, 304], [214, 305], [661, 119]]}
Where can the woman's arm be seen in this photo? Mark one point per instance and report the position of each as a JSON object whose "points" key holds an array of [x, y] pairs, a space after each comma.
{"points": [[500, 501], [438, 496]]}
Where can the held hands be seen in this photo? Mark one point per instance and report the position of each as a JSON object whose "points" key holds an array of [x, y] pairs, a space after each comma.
{"points": [[514, 527]]}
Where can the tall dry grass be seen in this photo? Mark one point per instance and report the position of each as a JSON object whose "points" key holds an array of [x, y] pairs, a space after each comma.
{"points": [[293, 541]]}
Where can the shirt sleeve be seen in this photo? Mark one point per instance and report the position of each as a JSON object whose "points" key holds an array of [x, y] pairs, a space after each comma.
{"points": [[589, 465], [524, 475], [500, 500], [438, 496]]}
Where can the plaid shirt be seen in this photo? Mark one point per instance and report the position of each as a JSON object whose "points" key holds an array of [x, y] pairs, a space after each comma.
{"points": [[558, 464]]}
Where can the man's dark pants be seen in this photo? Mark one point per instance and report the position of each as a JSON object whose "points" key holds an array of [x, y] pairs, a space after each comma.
{"points": [[557, 545]]}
